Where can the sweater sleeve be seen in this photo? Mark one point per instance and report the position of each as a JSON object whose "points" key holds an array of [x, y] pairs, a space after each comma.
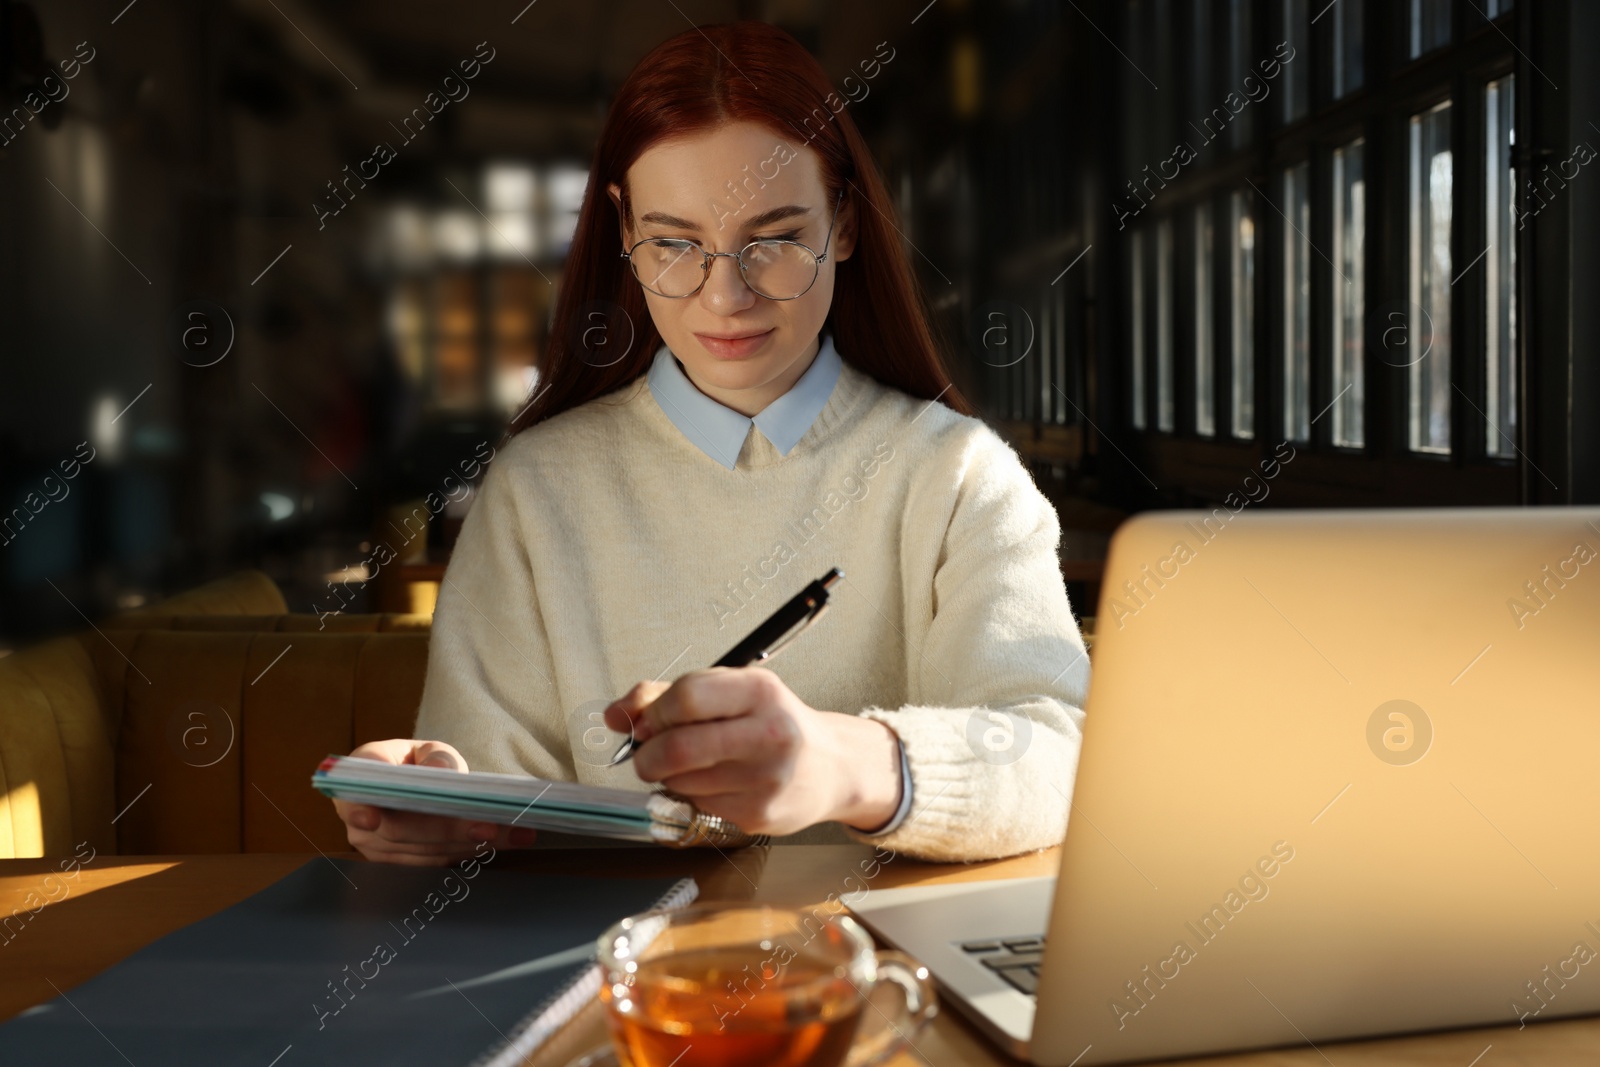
{"points": [[997, 670], [489, 689]]}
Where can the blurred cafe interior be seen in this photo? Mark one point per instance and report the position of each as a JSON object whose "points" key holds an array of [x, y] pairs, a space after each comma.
{"points": [[1163, 243]]}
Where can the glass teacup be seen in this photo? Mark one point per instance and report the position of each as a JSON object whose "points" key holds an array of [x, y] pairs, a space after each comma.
{"points": [[718, 986]]}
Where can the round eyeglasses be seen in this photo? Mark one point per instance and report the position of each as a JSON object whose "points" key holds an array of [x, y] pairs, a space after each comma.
{"points": [[774, 267]]}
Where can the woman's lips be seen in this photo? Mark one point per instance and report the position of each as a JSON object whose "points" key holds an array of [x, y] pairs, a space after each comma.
{"points": [[733, 348]]}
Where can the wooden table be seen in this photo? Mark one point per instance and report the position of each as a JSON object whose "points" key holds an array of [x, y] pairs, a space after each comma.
{"points": [[119, 904]]}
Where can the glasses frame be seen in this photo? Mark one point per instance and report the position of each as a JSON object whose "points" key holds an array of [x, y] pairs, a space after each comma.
{"points": [[744, 268]]}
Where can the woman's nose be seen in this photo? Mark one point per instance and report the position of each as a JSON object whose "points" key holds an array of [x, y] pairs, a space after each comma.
{"points": [[725, 290]]}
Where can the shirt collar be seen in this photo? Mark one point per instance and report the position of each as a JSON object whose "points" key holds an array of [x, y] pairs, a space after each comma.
{"points": [[719, 431]]}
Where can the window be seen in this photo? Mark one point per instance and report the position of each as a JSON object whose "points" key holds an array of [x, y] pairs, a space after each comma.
{"points": [[1141, 137], [1052, 385], [1500, 269], [1166, 408], [1431, 178], [1349, 293], [1430, 26], [1055, 385], [1137, 331], [1239, 60], [1297, 303], [510, 197], [1205, 410], [1295, 81], [564, 188], [1165, 36], [1341, 273], [458, 358], [1242, 312], [1200, 58], [1349, 69]]}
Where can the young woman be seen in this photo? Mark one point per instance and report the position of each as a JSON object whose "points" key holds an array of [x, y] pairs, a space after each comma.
{"points": [[741, 392]]}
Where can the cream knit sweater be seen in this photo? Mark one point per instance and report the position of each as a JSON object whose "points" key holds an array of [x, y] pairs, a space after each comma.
{"points": [[604, 548]]}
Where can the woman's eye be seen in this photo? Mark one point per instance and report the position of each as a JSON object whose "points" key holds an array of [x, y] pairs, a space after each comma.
{"points": [[781, 237]]}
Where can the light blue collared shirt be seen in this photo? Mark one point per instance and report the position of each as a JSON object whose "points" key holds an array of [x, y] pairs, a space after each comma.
{"points": [[720, 431]]}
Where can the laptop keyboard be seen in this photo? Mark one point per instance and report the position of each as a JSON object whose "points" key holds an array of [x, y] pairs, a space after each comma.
{"points": [[1014, 959]]}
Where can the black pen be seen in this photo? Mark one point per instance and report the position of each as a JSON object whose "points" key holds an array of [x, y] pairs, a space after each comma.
{"points": [[766, 640]]}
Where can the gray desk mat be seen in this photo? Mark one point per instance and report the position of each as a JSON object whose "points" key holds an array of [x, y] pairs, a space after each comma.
{"points": [[296, 974]]}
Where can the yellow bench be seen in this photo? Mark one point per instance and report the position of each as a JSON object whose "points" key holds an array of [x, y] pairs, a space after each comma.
{"points": [[193, 725]]}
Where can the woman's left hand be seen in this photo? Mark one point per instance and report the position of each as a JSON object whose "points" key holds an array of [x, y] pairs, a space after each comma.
{"points": [[739, 744]]}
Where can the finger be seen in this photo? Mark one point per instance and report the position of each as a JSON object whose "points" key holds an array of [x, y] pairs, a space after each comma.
{"points": [[371, 844], [418, 828], [721, 781], [496, 835], [406, 859], [357, 816], [618, 718], [747, 811], [621, 713], [704, 695], [493, 836], [703, 745], [438, 754], [396, 750]]}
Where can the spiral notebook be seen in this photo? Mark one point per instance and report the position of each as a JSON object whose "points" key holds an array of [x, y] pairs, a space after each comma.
{"points": [[344, 962], [520, 800]]}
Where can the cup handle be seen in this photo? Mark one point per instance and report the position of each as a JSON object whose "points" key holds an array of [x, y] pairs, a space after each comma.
{"points": [[885, 1032]]}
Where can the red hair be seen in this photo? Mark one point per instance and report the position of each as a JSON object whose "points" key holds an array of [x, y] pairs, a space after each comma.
{"points": [[698, 81]]}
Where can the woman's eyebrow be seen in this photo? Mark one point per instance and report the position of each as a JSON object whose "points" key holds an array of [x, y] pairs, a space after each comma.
{"points": [[777, 214]]}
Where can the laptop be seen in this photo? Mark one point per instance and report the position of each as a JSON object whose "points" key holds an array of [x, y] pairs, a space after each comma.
{"points": [[1340, 777]]}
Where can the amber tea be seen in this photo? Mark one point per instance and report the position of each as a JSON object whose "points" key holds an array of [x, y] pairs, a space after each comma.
{"points": [[732, 1006]]}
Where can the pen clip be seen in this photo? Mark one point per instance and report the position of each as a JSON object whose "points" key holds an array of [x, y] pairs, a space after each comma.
{"points": [[799, 628]]}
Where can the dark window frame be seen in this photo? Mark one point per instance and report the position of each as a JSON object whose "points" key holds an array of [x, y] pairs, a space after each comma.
{"points": [[1383, 470]]}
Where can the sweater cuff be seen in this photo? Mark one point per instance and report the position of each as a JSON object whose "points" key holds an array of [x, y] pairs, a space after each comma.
{"points": [[904, 807], [942, 797], [966, 808]]}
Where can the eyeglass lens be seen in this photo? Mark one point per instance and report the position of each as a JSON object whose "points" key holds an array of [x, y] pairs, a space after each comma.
{"points": [[777, 270]]}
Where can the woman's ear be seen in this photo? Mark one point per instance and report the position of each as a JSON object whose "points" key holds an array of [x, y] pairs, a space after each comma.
{"points": [[614, 191], [844, 237]]}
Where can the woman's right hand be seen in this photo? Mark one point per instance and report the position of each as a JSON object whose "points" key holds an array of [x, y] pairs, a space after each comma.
{"points": [[410, 837]]}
